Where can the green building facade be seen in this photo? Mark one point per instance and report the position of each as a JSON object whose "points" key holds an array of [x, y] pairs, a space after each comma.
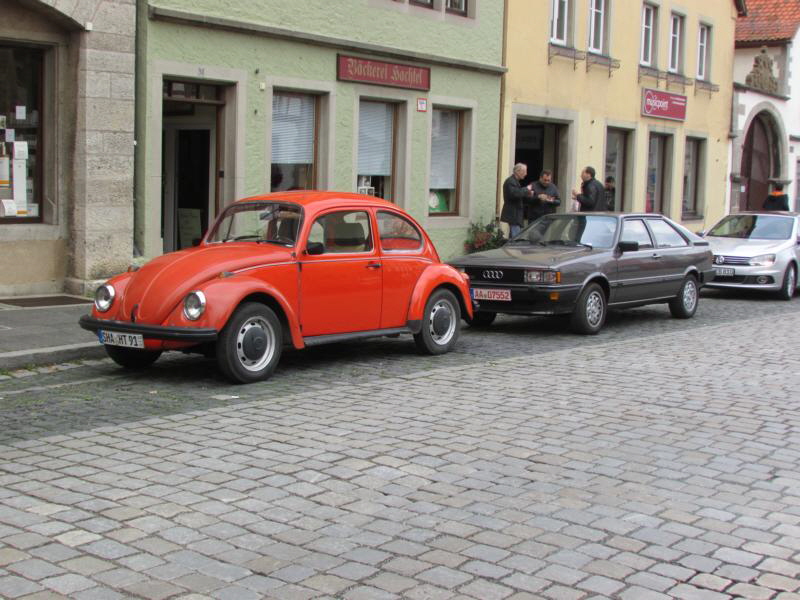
{"points": [[396, 98]]}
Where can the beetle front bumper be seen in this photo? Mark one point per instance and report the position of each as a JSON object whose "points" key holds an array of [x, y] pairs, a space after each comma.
{"points": [[194, 335]]}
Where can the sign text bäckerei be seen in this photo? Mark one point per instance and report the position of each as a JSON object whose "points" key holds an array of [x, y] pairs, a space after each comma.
{"points": [[363, 70], [663, 105]]}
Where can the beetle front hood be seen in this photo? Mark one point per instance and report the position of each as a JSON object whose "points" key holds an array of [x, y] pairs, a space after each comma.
{"points": [[157, 287]]}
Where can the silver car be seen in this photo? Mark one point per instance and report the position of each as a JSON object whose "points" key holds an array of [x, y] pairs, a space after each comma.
{"points": [[757, 251]]}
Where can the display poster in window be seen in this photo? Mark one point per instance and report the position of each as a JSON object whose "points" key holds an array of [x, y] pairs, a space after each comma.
{"points": [[2, 121], [21, 113], [19, 178]]}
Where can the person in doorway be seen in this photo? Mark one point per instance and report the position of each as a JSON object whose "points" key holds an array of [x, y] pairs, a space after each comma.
{"points": [[546, 197], [611, 193], [514, 194], [592, 197], [777, 200]]}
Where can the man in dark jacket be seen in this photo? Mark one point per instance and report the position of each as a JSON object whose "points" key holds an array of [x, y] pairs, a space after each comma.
{"points": [[777, 200], [514, 194], [593, 194], [545, 198]]}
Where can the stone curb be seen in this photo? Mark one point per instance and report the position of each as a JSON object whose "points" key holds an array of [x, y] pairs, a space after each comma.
{"points": [[52, 355]]}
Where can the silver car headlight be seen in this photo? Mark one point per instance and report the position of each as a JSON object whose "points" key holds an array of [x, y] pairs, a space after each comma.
{"points": [[765, 260], [194, 305], [104, 297]]}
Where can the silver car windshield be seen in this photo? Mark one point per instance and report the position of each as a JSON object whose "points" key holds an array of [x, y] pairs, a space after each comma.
{"points": [[260, 222], [754, 227], [570, 230]]}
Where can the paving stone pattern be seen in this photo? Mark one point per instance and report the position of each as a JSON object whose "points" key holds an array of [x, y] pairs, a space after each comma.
{"points": [[660, 459]]}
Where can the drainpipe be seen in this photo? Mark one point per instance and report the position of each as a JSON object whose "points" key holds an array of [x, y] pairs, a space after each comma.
{"points": [[501, 120]]}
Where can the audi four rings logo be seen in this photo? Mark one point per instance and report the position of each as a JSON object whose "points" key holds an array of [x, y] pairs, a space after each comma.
{"points": [[492, 274], [719, 260]]}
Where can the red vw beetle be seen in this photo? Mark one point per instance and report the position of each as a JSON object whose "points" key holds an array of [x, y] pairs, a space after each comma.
{"points": [[295, 267]]}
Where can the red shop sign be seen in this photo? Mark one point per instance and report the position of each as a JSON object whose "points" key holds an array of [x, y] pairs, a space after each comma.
{"points": [[663, 105], [350, 68]]}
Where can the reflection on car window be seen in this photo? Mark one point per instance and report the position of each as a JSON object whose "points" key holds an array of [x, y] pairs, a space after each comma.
{"points": [[343, 231], [754, 227], [271, 222], [634, 230], [571, 230], [666, 236], [397, 233]]}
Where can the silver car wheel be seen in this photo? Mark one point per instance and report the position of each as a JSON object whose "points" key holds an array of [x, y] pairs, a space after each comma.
{"points": [[689, 295], [594, 309], [255, 343], [791, 283], [441, 324]]}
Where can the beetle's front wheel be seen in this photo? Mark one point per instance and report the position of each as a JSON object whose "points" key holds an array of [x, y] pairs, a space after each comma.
{"points": [[132, 358], [249, 346]]}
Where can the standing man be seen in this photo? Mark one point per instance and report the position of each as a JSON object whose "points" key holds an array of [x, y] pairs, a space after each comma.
{"points": [[592, 197], [777, 200], [545, 197], [514, 195], [611, 193]]}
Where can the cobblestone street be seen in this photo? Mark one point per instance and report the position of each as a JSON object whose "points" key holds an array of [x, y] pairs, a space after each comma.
{"points": [[659, 459]]}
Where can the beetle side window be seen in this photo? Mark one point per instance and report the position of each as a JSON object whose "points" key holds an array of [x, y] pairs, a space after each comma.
{"points": [[397, 233], [342, 232], [634, 230], [666, 236]]}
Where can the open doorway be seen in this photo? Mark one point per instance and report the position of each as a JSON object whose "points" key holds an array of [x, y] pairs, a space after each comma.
{"points": [[541, 145], [190, 157]]}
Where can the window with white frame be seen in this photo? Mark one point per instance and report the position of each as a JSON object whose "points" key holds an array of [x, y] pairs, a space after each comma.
{"points": [[675, 44], [597, 26], [703, 44], [559, 28], [649, 41]]}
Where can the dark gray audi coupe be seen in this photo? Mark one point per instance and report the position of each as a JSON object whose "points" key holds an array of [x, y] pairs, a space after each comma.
{"points": [[585, 263]]}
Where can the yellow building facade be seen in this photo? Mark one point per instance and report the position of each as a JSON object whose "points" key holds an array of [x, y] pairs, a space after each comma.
{"points": [[639, 90]]}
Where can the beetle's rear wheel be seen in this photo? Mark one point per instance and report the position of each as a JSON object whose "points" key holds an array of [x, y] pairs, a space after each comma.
{"points": [[440, 323]]}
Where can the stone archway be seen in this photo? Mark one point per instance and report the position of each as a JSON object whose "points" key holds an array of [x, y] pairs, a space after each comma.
{"points": [[761, 160]]}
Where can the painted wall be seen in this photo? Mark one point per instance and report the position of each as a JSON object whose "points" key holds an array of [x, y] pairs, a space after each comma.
{"points": [[590, 100], [257, 64]]}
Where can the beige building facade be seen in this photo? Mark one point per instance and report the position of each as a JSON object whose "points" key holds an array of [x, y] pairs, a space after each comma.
{"points": [[639, 90]]}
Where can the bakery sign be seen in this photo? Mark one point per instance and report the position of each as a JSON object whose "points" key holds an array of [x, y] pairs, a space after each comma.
{"points": [[378, 72], [663, 105]]}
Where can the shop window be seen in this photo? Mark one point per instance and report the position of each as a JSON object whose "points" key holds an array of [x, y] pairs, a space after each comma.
{"points": [[675, 44], [376, 133], [445, 167], [458, 7], [616, 166], [657, 176], [597, 26], [294, 141], [425, 3], [693, 157], [559, 22], [649, 30], [21, 135], [703, 43]]}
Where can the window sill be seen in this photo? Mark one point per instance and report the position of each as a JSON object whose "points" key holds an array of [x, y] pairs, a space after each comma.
{"points": [[555, 49], [602, 60], [446, 222], [707, 86]]}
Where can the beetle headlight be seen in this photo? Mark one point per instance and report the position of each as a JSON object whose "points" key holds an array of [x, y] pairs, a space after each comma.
{"points": [[532, 276], [765, 260], [104, 297], [194, 305]]}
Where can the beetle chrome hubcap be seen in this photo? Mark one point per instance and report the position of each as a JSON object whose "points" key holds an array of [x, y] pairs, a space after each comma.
{"points": [[689, 295], [442, 323], [255, 344], [594, 309]]}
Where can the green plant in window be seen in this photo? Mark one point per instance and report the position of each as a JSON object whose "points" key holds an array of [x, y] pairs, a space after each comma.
{"points": [[483, 237]]}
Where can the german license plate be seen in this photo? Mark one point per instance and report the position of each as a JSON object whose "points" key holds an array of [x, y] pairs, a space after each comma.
{"points": [[491, 294], [127, 340], [724, 272]]}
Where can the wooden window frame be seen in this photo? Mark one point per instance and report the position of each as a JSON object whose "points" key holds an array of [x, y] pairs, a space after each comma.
{"points": [[459, 156], [455, 11], [317, 121], [698, 149]]}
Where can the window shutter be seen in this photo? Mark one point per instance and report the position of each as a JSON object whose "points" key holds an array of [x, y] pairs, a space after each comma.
{"points": [[292, 129], [375, 138], [444, 150]]}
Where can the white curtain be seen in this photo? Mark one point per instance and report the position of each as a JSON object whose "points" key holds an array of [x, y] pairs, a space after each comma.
{"points": [[444, 149], [292, 129], [375, 138]]}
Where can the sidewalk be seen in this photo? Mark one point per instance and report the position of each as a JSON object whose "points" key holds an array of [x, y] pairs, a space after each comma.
{"points": [[47, 334]]}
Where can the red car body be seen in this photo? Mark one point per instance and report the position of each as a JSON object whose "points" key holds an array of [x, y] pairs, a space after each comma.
{"points": [[318, 291]]}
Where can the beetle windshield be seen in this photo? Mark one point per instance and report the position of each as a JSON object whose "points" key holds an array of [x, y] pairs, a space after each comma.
{"points": [[754, 227], [570, 230], [261, 222]]}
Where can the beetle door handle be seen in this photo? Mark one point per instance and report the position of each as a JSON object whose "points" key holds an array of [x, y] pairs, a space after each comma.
{"points": [[374, 265]]}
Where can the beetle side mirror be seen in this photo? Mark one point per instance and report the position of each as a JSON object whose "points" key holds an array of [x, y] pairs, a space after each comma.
{"points": [[628, 246], [314, 248]]}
